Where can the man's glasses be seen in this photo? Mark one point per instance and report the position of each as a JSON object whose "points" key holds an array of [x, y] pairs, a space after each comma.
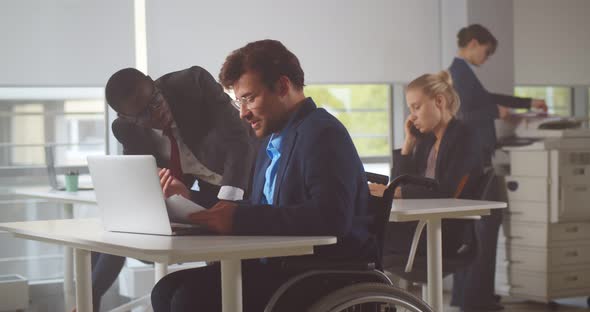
{"points": [[155, 103], [244, 101]]}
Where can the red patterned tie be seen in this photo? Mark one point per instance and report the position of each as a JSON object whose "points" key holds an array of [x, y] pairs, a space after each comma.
{"points": [[174, 164]]}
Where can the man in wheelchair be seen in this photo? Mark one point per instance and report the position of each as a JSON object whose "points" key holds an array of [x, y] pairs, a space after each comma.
{"points": [[308, 180]]}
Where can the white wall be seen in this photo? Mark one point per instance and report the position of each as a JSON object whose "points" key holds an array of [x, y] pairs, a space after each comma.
{"points": [[552, 42], [453, 17], [80, 43], [64, 42], [336, 41], [497, 74]]}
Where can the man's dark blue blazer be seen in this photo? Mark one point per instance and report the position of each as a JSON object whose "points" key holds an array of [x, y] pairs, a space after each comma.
{"points": [[321, 188]]}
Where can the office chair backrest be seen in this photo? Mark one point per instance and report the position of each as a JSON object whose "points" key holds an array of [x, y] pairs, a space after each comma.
{"points": [[483, 192], [485, 185]]}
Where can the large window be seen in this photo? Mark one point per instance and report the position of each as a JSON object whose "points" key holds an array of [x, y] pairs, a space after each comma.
{"points": [[559, 99], [68, 122], [364, 111]]}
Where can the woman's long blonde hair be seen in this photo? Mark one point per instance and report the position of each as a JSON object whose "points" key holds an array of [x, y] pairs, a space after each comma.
{"points": [[440, 83]]}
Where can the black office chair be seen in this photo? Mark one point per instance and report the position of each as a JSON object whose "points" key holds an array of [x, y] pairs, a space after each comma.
{"points": [[453, 260], [352, 286]]}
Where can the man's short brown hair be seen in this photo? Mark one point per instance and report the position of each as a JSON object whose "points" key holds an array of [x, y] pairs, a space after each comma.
{"points": [[269, 58]]}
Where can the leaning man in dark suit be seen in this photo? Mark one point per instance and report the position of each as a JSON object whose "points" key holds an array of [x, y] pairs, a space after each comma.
{"points": [[308, 180], [187, 122]]}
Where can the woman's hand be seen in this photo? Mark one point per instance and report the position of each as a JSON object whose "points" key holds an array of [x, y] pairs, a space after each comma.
{"points": [[504, 112], [397, 193], [377, 189], [410, 140], [539, 104]]}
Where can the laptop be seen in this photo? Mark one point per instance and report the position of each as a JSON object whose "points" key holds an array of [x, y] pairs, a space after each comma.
{"points": [[130, 198], [58, 183]]}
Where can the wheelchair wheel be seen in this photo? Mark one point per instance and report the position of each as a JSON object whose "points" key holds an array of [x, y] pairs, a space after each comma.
{"points": [[370, 297]]}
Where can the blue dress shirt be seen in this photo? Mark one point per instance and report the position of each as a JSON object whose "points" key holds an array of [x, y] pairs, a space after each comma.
{"points": [[273, 150]]}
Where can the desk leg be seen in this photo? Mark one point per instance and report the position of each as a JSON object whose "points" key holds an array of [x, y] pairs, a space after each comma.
{"points": [[83, 280], [69, 295], [160, 269], [434, 256], [68, 285], [231, 285]]}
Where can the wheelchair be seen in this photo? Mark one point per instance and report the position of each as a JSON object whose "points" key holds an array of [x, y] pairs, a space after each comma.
{"points": [[352, 286]]}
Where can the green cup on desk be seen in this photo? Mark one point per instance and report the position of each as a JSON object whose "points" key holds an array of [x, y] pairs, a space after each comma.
{"points": [[72, 181]]}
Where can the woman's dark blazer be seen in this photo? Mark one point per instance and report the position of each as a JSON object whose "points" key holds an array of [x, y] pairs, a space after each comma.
{"points": [[479, 107], [459, 154]]}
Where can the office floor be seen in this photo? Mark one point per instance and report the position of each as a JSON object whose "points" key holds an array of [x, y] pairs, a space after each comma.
{"points": [[518, 305]]}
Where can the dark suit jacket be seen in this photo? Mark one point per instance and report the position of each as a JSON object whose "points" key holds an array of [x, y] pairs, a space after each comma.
{"points": [[479, 107], [320, 188], [459, 154], [208, 124]]}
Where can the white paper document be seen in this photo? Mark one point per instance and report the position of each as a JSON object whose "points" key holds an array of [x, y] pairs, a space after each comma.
{"points": [[179, 208]]}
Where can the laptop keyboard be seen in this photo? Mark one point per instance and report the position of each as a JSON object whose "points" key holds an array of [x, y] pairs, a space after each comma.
{"points": [[188, 229]]}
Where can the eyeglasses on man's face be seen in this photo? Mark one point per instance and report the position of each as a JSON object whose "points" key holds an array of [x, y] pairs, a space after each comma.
{"points": [[155, 103], [245, 101]]}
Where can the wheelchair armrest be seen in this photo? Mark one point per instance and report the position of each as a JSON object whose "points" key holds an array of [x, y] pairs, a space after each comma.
{"points": [[405, 179], [414, 180], [309, 264], [377, 178]]}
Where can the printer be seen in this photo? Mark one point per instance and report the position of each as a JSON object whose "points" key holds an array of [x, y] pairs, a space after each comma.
{"points": [[544, 247]]}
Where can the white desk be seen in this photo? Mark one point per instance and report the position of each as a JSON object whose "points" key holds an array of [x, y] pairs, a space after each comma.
{"points": [[86, 235], [80, 197], [68, 199], [432, 211]]}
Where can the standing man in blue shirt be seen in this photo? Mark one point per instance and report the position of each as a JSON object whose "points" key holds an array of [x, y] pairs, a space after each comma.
{"points": [[308, 180]]}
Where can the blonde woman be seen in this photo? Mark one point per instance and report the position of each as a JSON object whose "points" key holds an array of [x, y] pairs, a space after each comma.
{"points": [[437, 146]]}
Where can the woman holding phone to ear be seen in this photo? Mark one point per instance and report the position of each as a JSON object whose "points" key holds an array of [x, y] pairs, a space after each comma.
{"points": [[437, 146], [473, 288]]}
